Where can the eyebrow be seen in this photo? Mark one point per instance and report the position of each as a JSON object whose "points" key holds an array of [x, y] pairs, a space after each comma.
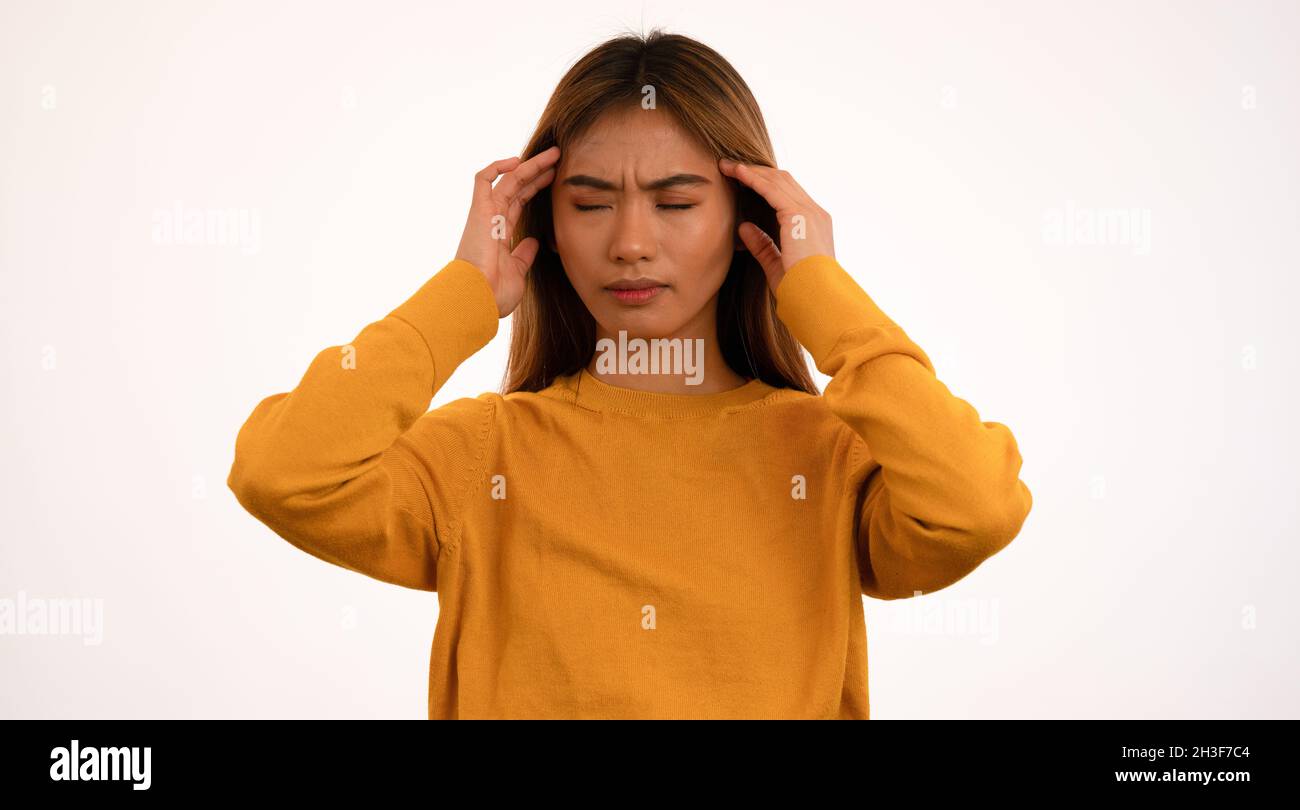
{"points": [[679, 179]]}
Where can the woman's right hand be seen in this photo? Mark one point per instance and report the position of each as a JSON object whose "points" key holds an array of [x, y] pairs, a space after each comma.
{"points": [[493, 213]]}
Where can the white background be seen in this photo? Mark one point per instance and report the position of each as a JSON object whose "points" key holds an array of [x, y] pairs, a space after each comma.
{"points": [[1152, 394]]}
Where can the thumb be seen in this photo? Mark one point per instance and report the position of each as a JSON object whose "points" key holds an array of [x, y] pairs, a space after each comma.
{"points": [[761, 246], [524, 254]]}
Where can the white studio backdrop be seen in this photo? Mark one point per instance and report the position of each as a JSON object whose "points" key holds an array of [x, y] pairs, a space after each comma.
{"points": [[961, 149]]}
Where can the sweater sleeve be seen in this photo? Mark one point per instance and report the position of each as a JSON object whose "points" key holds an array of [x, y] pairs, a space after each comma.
{"points": [[350, 466], [941, 490]]}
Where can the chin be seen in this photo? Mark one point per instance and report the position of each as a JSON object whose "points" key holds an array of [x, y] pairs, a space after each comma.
{"points": [[643, 324]]}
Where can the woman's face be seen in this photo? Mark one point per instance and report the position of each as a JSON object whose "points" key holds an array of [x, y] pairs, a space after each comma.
{"points": [[635, 199]]}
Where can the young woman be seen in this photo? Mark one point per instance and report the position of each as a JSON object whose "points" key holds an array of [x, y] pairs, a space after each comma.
{"points": [[612, 537]]}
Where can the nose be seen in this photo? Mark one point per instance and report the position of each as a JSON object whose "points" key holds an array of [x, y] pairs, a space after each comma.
{"points": [[634, 238]]}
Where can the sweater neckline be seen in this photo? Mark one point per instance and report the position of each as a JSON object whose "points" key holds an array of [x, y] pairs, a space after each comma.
{"points": [[595, 394]]}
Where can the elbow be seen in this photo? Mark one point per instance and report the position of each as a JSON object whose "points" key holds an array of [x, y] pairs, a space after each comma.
{"points": [[910, 556], [255, 486], [247, 486], [997, 501], [260, 475], [1001, 521]]}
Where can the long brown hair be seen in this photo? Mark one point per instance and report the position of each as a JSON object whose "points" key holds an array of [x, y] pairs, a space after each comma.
{"points": [[553, 332]]}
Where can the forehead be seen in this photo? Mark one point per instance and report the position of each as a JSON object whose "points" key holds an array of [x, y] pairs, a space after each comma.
{"points": [[634, 139]]}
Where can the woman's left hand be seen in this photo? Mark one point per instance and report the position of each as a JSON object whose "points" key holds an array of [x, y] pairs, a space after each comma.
{"points": [[805, 227]]}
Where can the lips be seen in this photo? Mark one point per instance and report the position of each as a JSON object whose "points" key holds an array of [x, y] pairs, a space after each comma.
{"points": [[639, 295], [635, 284]]}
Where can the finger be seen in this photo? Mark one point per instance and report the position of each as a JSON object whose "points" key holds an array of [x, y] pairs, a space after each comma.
{"points": [[483, 177], [524, 253], [527, 193], [782, 179], [526, 172], [761, 179], [786, 182], [761, 246], [796, 189]]}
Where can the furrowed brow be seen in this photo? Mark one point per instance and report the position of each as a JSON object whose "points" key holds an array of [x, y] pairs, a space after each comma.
{"points": [[671, 181]]}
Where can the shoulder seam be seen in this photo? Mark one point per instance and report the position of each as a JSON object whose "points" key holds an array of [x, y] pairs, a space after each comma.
{"points": [[454, 524], [403, 455]]}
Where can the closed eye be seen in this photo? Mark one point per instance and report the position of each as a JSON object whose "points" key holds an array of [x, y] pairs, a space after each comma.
{"points": [[679, 207]]}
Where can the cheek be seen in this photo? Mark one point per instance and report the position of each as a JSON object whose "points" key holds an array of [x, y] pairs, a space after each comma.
{"points": [[701, 238], [576, 245], [568, 235], [574, 231]]}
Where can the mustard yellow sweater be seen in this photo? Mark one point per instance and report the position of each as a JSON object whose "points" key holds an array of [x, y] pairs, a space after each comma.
{"points": [[600, 552]]}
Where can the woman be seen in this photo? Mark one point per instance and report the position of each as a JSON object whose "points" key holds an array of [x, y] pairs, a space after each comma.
{"points": [[614, 538]]}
